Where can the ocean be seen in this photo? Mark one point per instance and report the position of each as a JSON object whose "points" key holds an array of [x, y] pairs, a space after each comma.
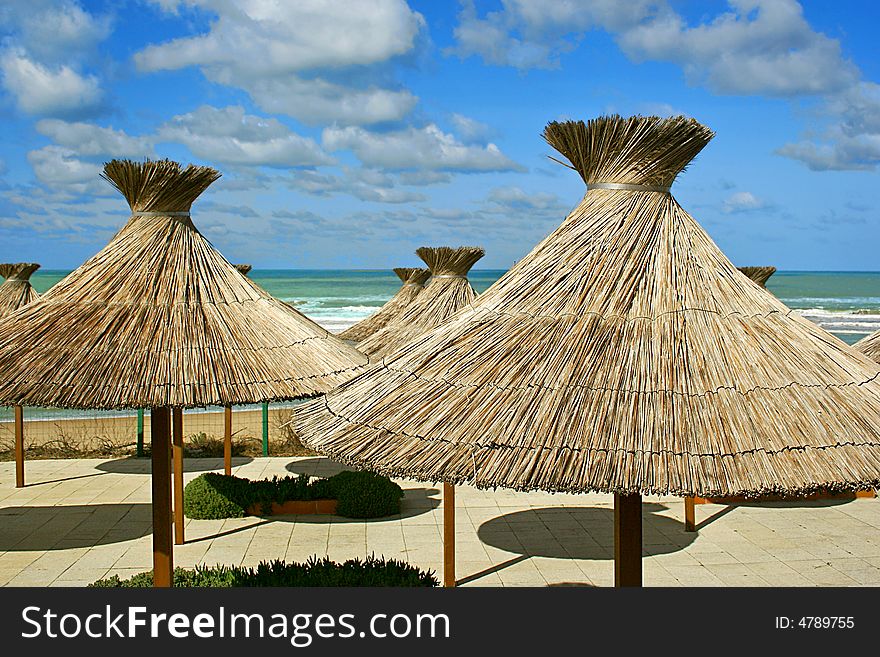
{"points": [[845, 303]]}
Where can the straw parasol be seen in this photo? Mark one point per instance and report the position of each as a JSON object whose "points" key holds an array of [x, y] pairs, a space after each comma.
{"points": [[15, 292], [413, 282], [870, 346], [758, 274], [159, 319], [447, 291], [625, 354], [244, 269]]}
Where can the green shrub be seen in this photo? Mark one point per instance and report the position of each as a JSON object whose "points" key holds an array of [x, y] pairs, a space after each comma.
{"points": [[358, 494], [211, 496], [371, 571], [365, 495]]}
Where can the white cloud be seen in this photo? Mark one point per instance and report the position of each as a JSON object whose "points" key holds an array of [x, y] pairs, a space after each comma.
{"points": [[318, 101], [852, 141], [742, 202], [514, 198], [54, 30], [286, 55], [58, 167], [759, 47], [470, 130], [89, 139], [230, 136], [427, 148], [364, 183], [257, 37], [39, 89]]}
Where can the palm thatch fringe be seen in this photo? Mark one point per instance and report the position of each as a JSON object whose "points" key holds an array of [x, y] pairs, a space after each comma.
{"points": [[17, 291], [159, 318], [758, 274], [624, 354], [244, 269], [413, 282], [447, 292]]}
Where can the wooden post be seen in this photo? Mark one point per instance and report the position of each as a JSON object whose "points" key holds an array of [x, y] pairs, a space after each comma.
{"points": [[160, 448], [177, 458], [227, 440], [690, 515], [19, 446], [448, 535], [627, 540]]}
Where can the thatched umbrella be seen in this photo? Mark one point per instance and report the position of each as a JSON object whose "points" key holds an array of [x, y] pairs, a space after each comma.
{"points": [[413, 282], [159, 319], [758, 274], [447, 291], [625, 354], [244, 268], [15, 292]]}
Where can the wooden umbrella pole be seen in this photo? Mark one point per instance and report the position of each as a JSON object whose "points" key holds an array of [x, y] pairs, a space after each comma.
{"points": [[177, 458], [448, 535], [690, 515], [627, 540], [19, 446], [160, 443], [227, 440]]}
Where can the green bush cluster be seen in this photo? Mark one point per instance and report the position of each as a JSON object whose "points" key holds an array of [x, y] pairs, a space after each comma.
{"points": [[358, 494], [371, 571]]}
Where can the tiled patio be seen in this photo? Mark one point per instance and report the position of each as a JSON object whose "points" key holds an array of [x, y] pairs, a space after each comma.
{"points": [[79, 520]]}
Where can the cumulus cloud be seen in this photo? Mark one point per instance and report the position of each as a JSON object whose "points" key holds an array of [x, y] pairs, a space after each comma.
{"points": [[54, 30], [89, 139], [53, 91], [364, 183], [319, 101], [759, 47], [470, 130], [427, 148], [60, 169], [231, 136], [285, 54], [742, 202]]}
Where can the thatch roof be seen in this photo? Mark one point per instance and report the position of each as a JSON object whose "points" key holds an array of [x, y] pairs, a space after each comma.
{"points": [[758, 274], [413, 282], [446, 292], [244, 269], [159, 318], [16, 291], [624, 354]]}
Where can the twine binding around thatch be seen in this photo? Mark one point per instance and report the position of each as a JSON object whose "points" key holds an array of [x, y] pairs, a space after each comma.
{"points": [[16, 291], [159, 318], [447, 292], [413, 282], [624, 354]]}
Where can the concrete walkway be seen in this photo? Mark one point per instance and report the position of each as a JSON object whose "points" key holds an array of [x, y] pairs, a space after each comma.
{"points": [[80, 520]]}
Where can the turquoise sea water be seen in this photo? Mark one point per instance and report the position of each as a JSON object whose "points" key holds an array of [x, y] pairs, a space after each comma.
{"points": [[845, 303]]}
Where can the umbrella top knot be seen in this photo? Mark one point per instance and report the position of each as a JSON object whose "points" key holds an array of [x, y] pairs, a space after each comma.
{"points": [[19, 270], [449, 261], [413, 275], [639, 150], [158, 186]]}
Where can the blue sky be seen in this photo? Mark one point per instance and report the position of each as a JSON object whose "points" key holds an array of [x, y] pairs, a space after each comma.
{"points": [[347, 138]]}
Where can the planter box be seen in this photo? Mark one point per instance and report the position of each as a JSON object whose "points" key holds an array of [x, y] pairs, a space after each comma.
{"points": [[296, 507]]}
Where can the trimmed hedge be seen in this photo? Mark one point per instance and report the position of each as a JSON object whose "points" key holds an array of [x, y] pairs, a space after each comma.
{"points": [[371, 571], [212, 496]]}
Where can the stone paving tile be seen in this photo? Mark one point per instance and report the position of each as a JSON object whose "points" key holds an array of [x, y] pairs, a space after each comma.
{"points": [[81, 520]]}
